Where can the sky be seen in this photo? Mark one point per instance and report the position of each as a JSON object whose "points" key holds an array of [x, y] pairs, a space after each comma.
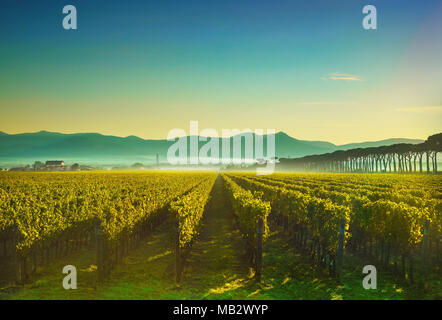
{"points": [[143, 68]]}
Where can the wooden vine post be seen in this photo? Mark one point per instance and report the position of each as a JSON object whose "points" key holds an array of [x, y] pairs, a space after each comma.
{"points": [[177, 250], [15, 255], [340, 252], [425, 252], [99, 250], [259, 236]]}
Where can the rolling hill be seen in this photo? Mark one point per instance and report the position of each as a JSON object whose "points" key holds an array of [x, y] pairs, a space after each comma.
{"points": [[52, 145]]}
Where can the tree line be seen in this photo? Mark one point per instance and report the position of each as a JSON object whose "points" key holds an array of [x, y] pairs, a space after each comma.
{"points": [[401, 157]]}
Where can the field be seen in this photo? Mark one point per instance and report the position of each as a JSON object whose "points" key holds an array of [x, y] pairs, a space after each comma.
{"points": [[210, 235]]}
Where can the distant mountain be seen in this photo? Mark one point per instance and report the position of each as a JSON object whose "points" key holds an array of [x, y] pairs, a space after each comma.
{"points": [[51, 145]]}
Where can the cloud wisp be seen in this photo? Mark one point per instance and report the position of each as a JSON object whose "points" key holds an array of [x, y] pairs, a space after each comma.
{"points": [[426, 109], [342, 77], [332, 103]]}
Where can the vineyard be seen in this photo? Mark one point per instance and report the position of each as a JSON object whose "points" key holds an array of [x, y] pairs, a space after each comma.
{"points": [[396, 220], [330, 221]]}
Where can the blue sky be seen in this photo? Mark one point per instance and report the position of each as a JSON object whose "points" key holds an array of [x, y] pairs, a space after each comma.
{"points": [[145, 67]]}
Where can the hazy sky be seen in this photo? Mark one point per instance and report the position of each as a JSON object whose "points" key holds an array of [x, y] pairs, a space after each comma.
{"points": [[307, 68]]}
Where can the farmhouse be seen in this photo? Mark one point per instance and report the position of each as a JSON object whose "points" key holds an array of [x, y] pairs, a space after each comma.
{"points": [[54, 163]]}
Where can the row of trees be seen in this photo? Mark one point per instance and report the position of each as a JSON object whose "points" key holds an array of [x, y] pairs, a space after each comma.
{"points": [[402, 157]]}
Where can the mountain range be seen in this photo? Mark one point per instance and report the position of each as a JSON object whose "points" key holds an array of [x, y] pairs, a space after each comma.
{"points": [[52, 145]]}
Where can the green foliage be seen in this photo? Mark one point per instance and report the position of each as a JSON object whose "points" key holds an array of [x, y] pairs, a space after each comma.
{"points": [[320, 217], [189, 209], [48, 207], [377, 208], [249, 208]]}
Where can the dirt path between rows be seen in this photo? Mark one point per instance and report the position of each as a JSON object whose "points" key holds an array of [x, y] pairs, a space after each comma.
{"points": [[217, 258]]}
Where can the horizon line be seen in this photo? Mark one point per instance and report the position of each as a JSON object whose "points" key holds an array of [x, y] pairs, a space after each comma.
{"points": [[165, 138]]}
